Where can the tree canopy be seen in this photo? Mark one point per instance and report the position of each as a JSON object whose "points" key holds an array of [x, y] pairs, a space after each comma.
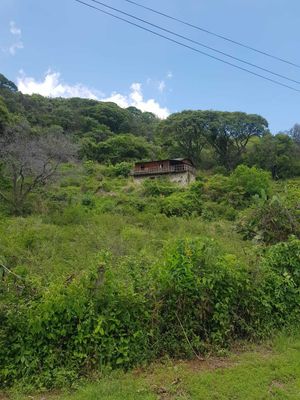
{"points": [[108, 133], [228, 133], [7, 84]]}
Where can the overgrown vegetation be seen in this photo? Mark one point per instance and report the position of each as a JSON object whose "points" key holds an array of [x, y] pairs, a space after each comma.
{"points": [[98, 273]]}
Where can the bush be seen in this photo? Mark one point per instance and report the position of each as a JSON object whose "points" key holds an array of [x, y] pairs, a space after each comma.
{"points": [[199, 295], [284, 258], [118, 314], [269, 221], [159, 187], [179, 205], [216, 188], [122, 169], [253, 180], [81, 324], [212, 211]]}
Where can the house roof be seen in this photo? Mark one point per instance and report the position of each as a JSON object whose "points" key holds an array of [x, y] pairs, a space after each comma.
{"points": [[166, 159]]}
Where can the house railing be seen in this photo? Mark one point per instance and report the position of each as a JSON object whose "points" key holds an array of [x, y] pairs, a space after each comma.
{"points": [[164, 170]]}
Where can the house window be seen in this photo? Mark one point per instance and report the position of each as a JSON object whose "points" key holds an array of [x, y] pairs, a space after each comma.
{"points": [[142, 166]]}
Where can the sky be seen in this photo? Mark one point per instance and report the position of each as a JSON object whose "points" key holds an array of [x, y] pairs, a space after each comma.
{"points": [[63, 48]]}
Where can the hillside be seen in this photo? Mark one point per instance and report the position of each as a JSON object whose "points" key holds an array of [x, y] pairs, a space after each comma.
{"points": [[100, 274]]}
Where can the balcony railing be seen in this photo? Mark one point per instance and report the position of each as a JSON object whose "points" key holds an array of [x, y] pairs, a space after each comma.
{"points": [[164, 170]]}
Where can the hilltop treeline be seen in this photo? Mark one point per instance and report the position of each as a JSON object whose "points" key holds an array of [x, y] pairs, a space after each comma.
{"points": [[106, 133]]}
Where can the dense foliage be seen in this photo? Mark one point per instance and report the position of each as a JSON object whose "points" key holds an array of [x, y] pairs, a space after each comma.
{"points": [[118, 314], [99, 273], [110, 134]]}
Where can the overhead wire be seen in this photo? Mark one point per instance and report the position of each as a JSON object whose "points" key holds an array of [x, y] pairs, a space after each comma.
{"points": [[187, 46], [246, 46], [196, 42]]}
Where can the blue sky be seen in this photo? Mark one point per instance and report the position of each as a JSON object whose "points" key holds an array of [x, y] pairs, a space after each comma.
{"points": [[60, 47]]}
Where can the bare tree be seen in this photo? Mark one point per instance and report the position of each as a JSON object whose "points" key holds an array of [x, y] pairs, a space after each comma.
{"points": [[30, 159], [294, 133]]}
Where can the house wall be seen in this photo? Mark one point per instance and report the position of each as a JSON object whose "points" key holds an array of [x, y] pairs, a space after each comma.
{"points": [[182, 178], [152, 164]]}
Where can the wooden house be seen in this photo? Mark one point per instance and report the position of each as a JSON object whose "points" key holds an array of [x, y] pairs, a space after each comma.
{"points": [[179, 170]]}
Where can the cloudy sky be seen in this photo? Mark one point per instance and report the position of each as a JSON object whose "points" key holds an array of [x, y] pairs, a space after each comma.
{"points": [[62, 48]]}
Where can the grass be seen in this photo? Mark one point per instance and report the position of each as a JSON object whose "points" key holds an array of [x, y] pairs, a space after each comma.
{"points": [[269, 371], [49, 250]]}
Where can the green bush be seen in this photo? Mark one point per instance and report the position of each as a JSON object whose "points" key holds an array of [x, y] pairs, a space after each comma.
{"points": [[238, 189], [216, 188], [253, 180], [121, 313], [122, 169], [159, 187], [200, 292], [179, 205], [269, 221], [83, 323], [284, 258], [212, 211]]}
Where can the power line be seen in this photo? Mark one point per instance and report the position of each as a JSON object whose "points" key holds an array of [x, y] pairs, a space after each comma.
{"points": [[196, 42], [214, 34], [187, 46]]}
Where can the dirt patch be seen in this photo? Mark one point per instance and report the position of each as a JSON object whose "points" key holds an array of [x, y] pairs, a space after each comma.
{"points": [[209, 364], [276, 385], [173, 391]]}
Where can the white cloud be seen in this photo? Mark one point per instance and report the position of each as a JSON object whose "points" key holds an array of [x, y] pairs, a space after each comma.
{"points": [[161, 86], [170, 75], [13, 48], [52, 86], [17, 33], [14, 30], [136, 99]]}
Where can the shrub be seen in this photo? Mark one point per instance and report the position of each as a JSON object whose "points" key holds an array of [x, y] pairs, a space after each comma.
{"points": [[179, 205], [284, 258], [200, 290], [216, 187], [253, 180], [159, 187], [120, 313], [122, 169], [212, 211], [269, 221], [77, 325]]}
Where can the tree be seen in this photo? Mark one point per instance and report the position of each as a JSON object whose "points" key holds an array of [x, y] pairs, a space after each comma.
{"points": [[142, 123], [184, 134], [4, 116], [229, 133], [294, 133], [278, 154], [30, 160], [116, 149], [7, 84], [188, 132]]}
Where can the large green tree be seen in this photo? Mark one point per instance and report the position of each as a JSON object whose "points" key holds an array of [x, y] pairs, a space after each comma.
{"points": [[184, 135], [123, 147], [278, 154], [229, 133]]}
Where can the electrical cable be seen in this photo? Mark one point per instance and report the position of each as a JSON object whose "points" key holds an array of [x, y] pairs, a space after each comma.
{"points": [[187, 46]]}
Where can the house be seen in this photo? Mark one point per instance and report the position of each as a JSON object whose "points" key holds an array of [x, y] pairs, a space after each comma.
{"points": [[178, 170]]}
